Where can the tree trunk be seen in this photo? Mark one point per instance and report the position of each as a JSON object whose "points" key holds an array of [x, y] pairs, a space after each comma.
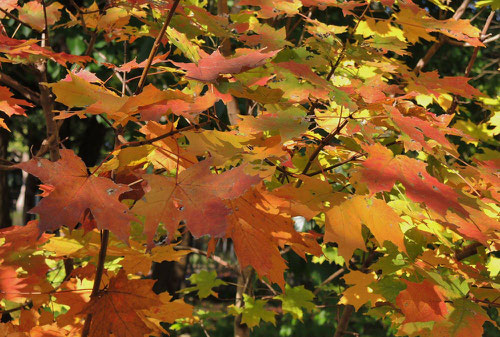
{"points": [[5, 219], [245, 286]]}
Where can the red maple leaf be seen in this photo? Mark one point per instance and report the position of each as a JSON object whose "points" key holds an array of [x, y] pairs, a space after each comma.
{"points": [[74, 193], [209, 68], [196, 196], [381, 170], [421, 302]]}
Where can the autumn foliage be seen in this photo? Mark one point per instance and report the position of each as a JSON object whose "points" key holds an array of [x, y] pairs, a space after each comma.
{"points": [[265, 125]]}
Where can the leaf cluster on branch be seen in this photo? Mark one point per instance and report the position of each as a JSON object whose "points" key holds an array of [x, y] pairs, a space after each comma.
{"points": [[279, 127]]}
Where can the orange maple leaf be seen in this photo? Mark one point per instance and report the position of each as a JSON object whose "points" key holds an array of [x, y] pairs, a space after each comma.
{"points": [[116, 310]]}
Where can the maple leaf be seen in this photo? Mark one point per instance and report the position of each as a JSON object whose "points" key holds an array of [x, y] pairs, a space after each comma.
{"points": [[381, 170], [168, 153], [253, 312], [210, 67], [305, 72], [204, 281], [296, 298], [32, 12], [344, 223], [11, 286], [8, 5], [75, 192], [116, 309], [194, 196], [189, 110], [430, 82], [417, 129], [20, 237], [466, 319], [417, 23], [10, 105], [421, 302], [256, 227], [126, 67], [361, 292], [169, 311]]}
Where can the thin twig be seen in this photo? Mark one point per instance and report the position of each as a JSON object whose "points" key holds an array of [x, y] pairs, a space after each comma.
{"points": [[328, 280], [23, 90], [27, 304], [442, 39], [155, 47], [353, 158], [165, 135], [213, 257], [46, 30], [325, 141], [12, 16], [339, 58]]}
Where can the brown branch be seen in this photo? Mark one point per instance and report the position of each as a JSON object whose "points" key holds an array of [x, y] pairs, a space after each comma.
{"points": [[7, 167], [23, 90], [12, 16], [467, 251], [344, 47], [472, 60], [26, 305], [344, 321], [279, 168], [98, 278], [340, 57], [321, 145], [328, 280], [155, 47], [165, 135], [353, 158], [46, 28], [213, 257]]}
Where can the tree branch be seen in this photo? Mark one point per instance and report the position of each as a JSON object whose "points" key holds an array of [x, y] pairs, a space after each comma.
{"points": [[472, 60], [467, 251], [213, 257], [321, 145], [98, 278], [15, 18], [23, 90], [165, 135], [156, 45], [344, 320], [353, 158], [442, 39]]}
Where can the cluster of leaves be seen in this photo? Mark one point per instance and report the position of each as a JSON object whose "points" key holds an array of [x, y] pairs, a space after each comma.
{"points": [[327, 123]]}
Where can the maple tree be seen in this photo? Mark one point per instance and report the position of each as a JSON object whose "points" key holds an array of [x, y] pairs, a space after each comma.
{"points": [[289, 130]]}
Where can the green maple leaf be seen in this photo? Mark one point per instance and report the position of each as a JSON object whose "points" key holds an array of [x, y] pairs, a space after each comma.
{"points": [[204, 281], [296, 298], [253, 312]]}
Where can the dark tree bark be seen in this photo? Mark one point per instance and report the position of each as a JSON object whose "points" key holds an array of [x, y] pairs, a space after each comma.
{"points": [[5, 203]]}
